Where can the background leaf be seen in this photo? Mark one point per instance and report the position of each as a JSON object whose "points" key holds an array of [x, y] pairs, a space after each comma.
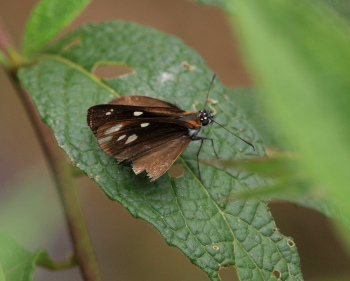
{"points": [[342, 7], [48, 19], [301, 59], [290, 181], [250, 100], [17, 263], [220, 3], [193, 216]]}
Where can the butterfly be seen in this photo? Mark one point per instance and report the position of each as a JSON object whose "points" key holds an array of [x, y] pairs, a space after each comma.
{"points": [[149, 132]]}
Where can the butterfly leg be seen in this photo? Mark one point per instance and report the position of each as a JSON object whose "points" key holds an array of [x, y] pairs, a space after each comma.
{"points": [[199, 150]]}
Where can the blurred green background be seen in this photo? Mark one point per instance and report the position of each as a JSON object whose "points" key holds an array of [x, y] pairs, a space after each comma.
{"points": [[130, 249]]}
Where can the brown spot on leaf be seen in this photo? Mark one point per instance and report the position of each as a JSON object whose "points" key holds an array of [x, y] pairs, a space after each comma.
{"points": [[277, 274]]}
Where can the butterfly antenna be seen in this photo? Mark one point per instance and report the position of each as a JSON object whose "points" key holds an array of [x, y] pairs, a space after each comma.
{"points": [[211, 84], [247, 142]]}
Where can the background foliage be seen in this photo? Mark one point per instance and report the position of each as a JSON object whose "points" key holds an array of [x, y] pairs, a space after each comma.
{"points": [[68, 68]]}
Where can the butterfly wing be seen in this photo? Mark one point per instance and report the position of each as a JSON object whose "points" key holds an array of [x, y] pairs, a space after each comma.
{"points": [[129, 107], [158, 160], [138, 100], [152, 144], [149, 132]]}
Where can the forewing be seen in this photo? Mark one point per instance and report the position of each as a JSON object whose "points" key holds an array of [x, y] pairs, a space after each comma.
{"points": [[102, 114]]}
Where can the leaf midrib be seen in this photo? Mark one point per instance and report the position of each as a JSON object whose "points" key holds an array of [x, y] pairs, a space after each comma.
{"points": [[83, 71]]}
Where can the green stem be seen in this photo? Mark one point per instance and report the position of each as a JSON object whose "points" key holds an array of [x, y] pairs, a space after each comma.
{"points": [[63, 265], [5, 42], [61, 170], [66, 187]]}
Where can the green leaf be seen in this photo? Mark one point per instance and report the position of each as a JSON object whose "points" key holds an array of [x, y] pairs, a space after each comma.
{"points": [[287, 182], [2, 274], [48, 19], [289, 178], [225, 5], [17, 263], [342, 7], [301, 58], [250, 101], [219, 3], [190, 214], [17, 212]]}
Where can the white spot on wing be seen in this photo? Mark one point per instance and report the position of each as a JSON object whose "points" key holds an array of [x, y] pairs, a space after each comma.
{"points": [[138, 113], [131, 138], [144, 125], [121, 137], [104, 140], [113, 129], [110, 112]]}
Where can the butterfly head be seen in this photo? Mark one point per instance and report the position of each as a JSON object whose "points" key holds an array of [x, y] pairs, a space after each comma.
{"points": [[206, 117]]}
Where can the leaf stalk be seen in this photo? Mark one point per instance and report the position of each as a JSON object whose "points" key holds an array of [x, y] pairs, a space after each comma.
{"points": [[62, 174]]}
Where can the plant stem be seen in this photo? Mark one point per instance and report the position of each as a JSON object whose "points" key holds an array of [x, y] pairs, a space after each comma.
{"points": [[5, 42], [61, 170]]}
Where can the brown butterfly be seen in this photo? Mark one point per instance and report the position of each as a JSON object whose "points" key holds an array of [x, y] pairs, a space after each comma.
{"points": [[148, 132]]}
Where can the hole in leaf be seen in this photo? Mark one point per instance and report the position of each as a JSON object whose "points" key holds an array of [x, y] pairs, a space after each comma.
{"points": [[112, 71], [291, 243], [210, 103], [188, 66], [72, 44], [228, 273], [277, 274], [176, 171], [216, 247], [194, 106]]}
